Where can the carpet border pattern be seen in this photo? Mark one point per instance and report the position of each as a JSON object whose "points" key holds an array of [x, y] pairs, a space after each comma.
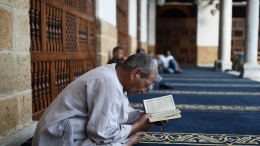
{"points": [[213, 85], [202, 92], [200, 139], [209, 107], [206, 79]]}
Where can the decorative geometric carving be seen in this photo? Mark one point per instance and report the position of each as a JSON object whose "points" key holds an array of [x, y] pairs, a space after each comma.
{"points": [[53, 63], [53, 29], [238, 33], [78, 68], [184, 51], [91, 37], [83, 35], [91, 8], [71, 3], [238, 36], [35, 25], [32, 22], [71, 32], [82, 5], [179, 36], [184, 33], [61, 75], [90, 64], [40, 85]]}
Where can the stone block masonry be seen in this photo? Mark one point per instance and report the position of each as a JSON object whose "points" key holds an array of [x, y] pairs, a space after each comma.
{"points": [[15, 72]]}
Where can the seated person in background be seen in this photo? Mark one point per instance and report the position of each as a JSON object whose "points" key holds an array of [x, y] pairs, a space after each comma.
{"points": [[159, 78], [117, 56], [94, 109], [140, 50], [123, 58], [170, 65]]}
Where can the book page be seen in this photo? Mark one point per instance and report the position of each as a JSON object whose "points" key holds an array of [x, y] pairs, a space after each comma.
{"points": [[165, 118], [164, 114], [161, 108], [156, 105]]}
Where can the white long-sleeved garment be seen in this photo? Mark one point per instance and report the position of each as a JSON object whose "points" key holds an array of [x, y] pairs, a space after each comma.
{"points": [[165, 60], [92, 110]]}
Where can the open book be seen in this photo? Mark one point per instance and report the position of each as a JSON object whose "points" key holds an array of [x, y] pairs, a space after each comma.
{"points": [[161, 108]]}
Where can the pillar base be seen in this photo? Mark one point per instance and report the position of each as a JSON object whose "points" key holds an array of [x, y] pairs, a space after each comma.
{"points": [[20, 136], [250, 70], [222, 66]]}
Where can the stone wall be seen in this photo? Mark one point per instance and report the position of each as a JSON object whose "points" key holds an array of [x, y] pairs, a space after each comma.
{"points": [[152, 48], [206, 56], [106, 41], [144, 45], [133, 45], [15, 75]]}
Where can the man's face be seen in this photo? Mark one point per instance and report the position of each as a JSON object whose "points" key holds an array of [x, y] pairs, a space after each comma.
{"points": [[139, 85], [168, 53], [119, 54]]}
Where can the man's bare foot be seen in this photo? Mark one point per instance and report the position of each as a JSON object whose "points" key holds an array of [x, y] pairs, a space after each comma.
{"points": [[136, 138], [179, 71]]}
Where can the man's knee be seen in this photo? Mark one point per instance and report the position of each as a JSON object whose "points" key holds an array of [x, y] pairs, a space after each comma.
{"points": [[169, 71]]}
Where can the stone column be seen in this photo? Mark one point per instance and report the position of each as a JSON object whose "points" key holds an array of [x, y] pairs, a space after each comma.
{"points": [[143, 24], [250, 67], [225, 27], [151, 25]]}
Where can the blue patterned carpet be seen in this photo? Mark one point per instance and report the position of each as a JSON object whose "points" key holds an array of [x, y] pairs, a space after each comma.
{"points": [[217, 109]]}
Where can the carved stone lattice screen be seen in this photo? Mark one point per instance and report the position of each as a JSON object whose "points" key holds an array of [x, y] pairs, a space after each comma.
{"points": [[62, 47], [238, 36], [179, 36], [122, 25]]}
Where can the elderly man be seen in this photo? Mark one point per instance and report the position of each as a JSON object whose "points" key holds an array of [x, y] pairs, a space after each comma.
{"points": [[94, 109]]}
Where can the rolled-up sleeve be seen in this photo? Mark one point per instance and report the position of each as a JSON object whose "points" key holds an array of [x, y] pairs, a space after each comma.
{"points": [[134, 115]]}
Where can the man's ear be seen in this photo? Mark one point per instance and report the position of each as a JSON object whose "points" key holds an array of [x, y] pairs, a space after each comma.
{"points": [[135, 72]]}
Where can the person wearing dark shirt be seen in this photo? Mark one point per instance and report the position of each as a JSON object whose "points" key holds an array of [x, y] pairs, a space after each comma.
{"points": [[139, 50], [117, 56]]}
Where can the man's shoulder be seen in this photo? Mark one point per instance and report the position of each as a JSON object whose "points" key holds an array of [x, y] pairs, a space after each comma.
{"points": [[112, 61], [103, 79], [170, 57], [105, 71]]}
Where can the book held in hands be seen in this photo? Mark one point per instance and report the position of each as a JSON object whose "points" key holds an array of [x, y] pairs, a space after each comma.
{"points": [[161, 108]]}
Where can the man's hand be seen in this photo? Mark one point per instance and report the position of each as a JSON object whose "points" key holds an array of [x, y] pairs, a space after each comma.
{"points": [[144, 124], [141, 125], [160, 123]]}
